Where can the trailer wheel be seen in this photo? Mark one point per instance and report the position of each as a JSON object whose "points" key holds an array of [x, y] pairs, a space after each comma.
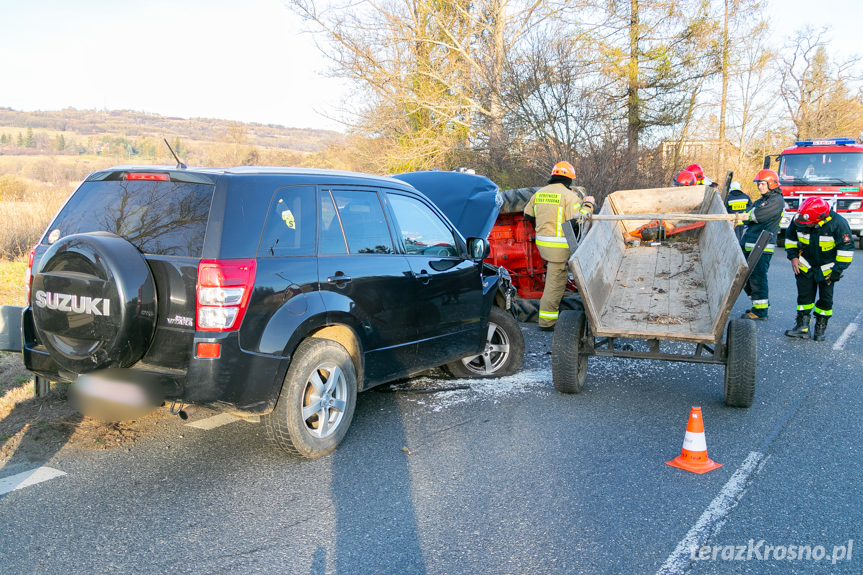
{"points": [[742, 347], [568, 362]]}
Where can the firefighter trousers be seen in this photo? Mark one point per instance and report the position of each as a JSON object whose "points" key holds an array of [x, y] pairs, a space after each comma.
{"points": [[756, 285], [556, 276], [807, 289]]}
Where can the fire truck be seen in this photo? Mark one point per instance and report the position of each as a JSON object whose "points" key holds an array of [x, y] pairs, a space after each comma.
{"points": [[831, 169]]}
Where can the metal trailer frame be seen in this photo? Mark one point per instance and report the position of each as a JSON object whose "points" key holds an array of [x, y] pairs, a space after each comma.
{"points": [[575, 338]]}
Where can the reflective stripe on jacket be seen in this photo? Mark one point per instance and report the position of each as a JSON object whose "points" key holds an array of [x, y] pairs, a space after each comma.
{"points": [[825, 248], [765, 215], [737, 202], [553, 206]]}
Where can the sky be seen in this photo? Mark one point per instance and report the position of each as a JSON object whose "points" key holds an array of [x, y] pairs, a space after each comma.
{"points": [[241, 60]]}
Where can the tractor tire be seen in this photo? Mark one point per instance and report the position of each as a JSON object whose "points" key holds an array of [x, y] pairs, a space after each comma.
{"points": [[526, 310], [742, 346], [515, 200]]}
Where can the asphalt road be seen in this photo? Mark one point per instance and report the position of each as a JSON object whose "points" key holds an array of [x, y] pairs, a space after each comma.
{"points": [[507, 477]]}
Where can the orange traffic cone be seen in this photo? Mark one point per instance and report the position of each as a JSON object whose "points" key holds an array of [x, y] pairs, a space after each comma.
{"points": [[693, 456]]}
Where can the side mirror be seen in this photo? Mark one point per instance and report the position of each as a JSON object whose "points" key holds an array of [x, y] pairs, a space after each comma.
{"points": [[477, 249]]}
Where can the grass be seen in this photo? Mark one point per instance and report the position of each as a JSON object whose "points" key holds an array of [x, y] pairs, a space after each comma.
{"points": [[16, 385], [13, 275], [24, 222]]}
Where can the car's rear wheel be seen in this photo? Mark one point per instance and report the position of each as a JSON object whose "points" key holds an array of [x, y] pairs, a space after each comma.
{"points": [[503, 353], [317, 401]]}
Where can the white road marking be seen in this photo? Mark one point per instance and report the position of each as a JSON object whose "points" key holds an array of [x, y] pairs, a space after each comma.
{"points": [[28, 478], [840, 343], [713, 516], [213, 422]]}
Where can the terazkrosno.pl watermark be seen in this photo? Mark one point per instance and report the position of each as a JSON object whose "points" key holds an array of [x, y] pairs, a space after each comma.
{"points": [[761, 551]]}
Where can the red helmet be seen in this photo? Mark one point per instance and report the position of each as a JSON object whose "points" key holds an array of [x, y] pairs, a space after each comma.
{"points": [[564, 169], [769, 176], [813, 211], [697, 172], [684, 178]]}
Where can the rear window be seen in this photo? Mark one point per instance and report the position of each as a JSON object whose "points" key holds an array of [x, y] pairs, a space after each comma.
{"points": [[162, 218]]}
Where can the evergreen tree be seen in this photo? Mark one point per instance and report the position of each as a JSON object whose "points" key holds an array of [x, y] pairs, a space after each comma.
{"points": [[29, 141], [20, 142], [178, 147]]}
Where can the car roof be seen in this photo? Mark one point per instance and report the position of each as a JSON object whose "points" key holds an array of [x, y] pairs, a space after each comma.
{"points": [[209, 175]]}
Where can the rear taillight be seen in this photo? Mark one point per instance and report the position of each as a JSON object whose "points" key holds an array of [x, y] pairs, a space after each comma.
{"points": [[223, 291], [29, 277]]}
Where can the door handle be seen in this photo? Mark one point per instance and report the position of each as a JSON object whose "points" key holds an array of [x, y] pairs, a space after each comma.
{"points": [[423, 276], [338, 279]]}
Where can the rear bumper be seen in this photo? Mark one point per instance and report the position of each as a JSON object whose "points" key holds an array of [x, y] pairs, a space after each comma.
{"points": [[236, 380], [10, 328]]}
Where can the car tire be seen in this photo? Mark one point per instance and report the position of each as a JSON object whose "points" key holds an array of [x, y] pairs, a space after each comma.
{"points": [[503, 353], [320, 380], [568, 362]]}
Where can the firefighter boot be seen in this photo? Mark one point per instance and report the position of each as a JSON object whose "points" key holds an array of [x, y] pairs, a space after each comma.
{"points": [[820, 327], [801, 328]]}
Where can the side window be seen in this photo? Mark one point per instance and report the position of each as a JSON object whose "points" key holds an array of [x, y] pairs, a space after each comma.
{"points": [[332, 239], [422, 231], [362, 220], [290, 227]]}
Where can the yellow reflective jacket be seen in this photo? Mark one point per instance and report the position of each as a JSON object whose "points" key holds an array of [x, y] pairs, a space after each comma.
{"points": [[553, 206]]}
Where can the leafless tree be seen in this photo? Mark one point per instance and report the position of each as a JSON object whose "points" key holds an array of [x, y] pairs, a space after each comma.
{"points": [[822, 97], [430, 72]]}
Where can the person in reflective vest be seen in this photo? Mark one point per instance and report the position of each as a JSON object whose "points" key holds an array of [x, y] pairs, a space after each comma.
{"points": [[765, 215], [737, 202], [819, 245], [552, 207]]}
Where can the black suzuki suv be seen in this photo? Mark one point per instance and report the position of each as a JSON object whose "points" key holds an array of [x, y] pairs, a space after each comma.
{"points": [[271, 292]]}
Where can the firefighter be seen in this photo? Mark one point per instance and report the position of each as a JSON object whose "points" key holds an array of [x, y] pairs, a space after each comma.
{"points": [[765, 215], [696, 170], [818, 243], [552, 207], [700, 178], [737, 202], [684, 178]]}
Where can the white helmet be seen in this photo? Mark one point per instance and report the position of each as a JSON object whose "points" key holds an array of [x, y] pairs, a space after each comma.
{"points": [[735, 187]]}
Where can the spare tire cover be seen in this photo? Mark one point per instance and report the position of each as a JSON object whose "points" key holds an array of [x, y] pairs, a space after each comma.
{"points": [[94, 302]]}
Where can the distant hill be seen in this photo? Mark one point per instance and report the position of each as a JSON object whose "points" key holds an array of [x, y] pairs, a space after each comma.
{"points": [[87, 124]]}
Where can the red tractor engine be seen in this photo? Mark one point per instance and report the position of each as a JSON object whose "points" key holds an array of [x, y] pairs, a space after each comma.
{"points": [[512, 247]]}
